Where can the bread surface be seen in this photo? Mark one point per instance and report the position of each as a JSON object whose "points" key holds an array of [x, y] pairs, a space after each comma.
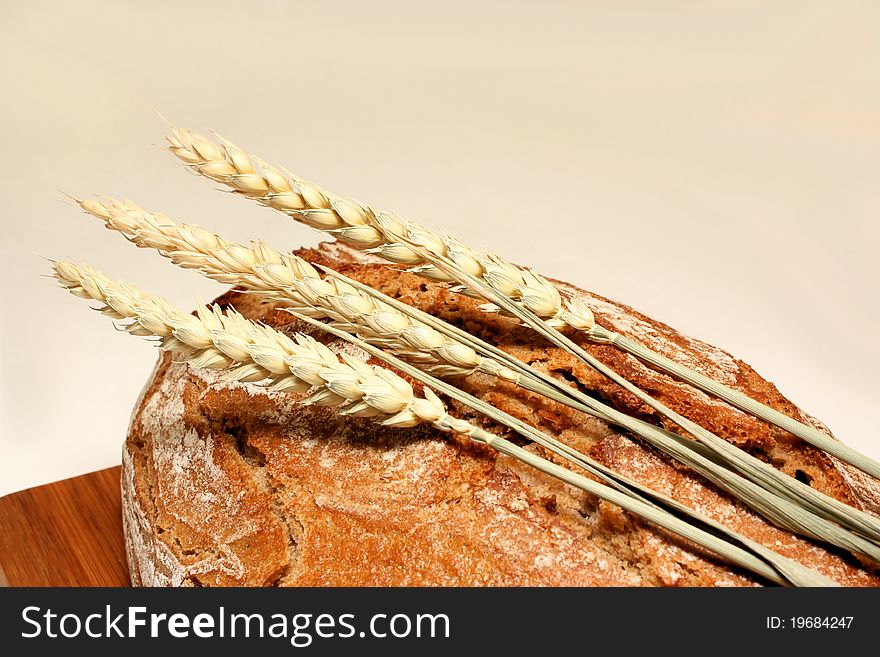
{"points": [[229, 484]]}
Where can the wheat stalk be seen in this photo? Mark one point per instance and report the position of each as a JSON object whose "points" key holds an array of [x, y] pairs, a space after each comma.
{"points": [[353, 308], [761, 473], [782, 511], [378, 232], [793, 572], [384, 322], [255, 352]]}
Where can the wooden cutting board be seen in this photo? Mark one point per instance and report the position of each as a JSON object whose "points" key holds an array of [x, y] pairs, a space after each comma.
{"points": [[68, 533]]}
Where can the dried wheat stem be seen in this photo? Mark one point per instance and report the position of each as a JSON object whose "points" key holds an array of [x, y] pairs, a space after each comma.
{"points": [[293, 281], [354, 308], [255, 352], [376, 231], [372, 230]]}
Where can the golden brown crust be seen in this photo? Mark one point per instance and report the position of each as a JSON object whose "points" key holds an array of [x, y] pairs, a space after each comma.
{"points": [[229, 484]]}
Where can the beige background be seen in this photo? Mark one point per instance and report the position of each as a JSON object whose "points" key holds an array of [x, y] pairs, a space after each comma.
{"points": [[715, 164]]}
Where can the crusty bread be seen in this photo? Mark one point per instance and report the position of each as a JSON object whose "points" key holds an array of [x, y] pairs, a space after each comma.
{"points": [[228, 484]]}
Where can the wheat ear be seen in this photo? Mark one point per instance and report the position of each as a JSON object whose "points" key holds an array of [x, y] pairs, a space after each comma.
{"points": [[295, 282], [255, 352], [368, 229]]}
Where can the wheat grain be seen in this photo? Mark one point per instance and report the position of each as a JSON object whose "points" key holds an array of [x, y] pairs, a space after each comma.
{"points": [[372, 230], [255, 352], [293, 281]]}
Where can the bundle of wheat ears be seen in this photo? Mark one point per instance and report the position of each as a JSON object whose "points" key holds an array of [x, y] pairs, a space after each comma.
{"points": [[427, 350]]}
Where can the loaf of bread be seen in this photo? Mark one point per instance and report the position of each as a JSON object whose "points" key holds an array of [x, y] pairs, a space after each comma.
{"points": [[230, 484]]}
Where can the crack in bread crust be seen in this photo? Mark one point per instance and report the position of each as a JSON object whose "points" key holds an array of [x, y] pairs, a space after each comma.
{"points": [[227, 483]]}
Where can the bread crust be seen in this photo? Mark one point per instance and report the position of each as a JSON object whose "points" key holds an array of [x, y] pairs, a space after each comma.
{"points": [[229, 484]]}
